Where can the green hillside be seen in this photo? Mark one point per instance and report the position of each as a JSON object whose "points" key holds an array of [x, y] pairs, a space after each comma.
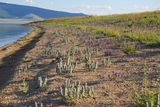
{"points": [[143, 27]]}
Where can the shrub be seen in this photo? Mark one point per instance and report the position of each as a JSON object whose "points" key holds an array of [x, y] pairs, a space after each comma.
{"points": [[66, 68], [42, 82], [129, 48], [75, 91], [38, 104], [91, 66], [146, 99], [24, 87]]}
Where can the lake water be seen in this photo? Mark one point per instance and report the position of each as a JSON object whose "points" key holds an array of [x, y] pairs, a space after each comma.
{"points": [[12, 32]]}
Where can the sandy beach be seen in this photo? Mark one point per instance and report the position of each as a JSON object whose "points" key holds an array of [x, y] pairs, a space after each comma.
{"points": [[12, 51]]}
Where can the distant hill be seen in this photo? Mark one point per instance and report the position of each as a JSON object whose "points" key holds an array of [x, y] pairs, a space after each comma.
{"points": [[12, 11], [4, 14], [32, 17]]}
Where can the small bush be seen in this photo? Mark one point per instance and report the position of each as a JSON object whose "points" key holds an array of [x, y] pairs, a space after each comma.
{"points": [[129, 48], [145, 99], [42, 82], [24, 87], [91, 66], [38, 104], [75, 91]]}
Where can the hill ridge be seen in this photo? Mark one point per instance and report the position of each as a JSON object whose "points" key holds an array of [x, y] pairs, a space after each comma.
{"points": [[8, 11]]}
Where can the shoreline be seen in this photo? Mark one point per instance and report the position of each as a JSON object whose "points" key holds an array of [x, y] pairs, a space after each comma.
{"points": [[4, 47], [9, 52], [15, 21], [17, 37]]}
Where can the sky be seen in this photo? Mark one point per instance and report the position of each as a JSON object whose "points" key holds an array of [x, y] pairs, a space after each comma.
{"points": [[92, 7]]}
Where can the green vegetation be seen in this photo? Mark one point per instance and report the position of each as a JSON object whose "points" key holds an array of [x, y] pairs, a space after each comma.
{"points": [[145, 96], [24, 87], [65, 68], [75, 91], [129, 48], [42, 82], [137, 27], [146, 99], [91, 65], [38, 104]]}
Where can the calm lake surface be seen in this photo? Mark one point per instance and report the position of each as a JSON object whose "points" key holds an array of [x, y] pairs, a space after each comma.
{"points": [[12, 32]]}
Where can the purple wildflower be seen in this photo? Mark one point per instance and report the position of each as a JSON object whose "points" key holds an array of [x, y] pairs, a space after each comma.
{"points": [[108, 52], [118, 75]]}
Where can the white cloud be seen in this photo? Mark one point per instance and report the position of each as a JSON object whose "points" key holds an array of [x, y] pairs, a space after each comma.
{"points": [[141, 8], [30, 1], [93, 9]]}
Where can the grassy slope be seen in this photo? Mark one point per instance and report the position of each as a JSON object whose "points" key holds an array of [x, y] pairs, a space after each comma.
{"points": [[143, 27]]}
